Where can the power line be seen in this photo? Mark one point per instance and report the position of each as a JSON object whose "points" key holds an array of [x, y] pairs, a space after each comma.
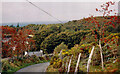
{"points": [[44, 11]]}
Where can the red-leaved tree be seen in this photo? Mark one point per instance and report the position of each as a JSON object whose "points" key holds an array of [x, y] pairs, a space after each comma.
{"points": [[99, 27], [16, 41]]}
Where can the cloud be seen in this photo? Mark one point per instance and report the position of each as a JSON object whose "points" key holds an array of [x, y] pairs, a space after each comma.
{"points": [[13, 12]]}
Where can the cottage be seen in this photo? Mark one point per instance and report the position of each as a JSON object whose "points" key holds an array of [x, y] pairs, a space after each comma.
{"points": [[37, 53]]}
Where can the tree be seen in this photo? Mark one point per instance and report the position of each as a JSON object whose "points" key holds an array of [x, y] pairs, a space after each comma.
{"points": [[11, 26], [60, 47], [7, 33], [99, 27], [18, 25], [15, 42]]}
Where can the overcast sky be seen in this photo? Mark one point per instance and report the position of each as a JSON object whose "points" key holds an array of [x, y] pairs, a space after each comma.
{"points": [[24, 12]]}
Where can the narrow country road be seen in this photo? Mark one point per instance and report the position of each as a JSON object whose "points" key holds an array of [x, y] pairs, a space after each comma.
{"points": [[34, 68]]}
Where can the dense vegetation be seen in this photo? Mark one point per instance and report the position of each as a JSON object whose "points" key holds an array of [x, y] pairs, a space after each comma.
{"points": [[13, 65], [15, 41], [70, 39], [73, 38], [110, 53], [47, 37], [98, 46]]}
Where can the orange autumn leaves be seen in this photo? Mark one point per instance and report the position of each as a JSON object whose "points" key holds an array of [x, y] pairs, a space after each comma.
{"points": [[15, 41], [105, 8], [100, 26]]}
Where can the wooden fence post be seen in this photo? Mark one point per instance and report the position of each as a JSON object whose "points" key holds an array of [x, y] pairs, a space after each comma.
{"points": [[101, 54], [69, 64], [89, 60], [77, 63], [66, 63], [60, 54]]}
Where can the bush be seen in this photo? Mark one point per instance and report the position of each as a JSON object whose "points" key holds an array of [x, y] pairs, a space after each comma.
{"points": [[57, 63], [42, 58], [13, 65], [18, 63], [59, 48], [51, 69], [8, 67], [53, 59], [5, 66]]}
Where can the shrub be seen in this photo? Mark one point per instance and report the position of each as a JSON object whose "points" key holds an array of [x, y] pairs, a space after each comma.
{"points": [[51, 69], [57, 63], [18, 63], [15, 64], [42, 58], [53, 59], [59, 48]]}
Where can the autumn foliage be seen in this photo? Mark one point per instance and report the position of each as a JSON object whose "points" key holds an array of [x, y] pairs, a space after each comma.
{"points": [[99, 27], [101, 32], [15, 41]]}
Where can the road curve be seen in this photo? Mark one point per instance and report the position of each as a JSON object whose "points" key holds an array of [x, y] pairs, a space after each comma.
{"points": [[34, 68]]}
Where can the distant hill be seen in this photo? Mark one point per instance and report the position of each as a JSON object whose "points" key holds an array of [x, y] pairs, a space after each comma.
{"points": [[25, 24]]}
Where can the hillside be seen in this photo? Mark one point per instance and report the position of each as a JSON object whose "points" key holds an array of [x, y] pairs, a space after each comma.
{"points": [[79, 36], [90, 36], [66, 41], [49, 36], [87, 45]]}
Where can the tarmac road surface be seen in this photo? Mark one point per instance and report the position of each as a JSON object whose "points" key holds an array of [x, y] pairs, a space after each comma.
{"points": [[33, 69]]}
